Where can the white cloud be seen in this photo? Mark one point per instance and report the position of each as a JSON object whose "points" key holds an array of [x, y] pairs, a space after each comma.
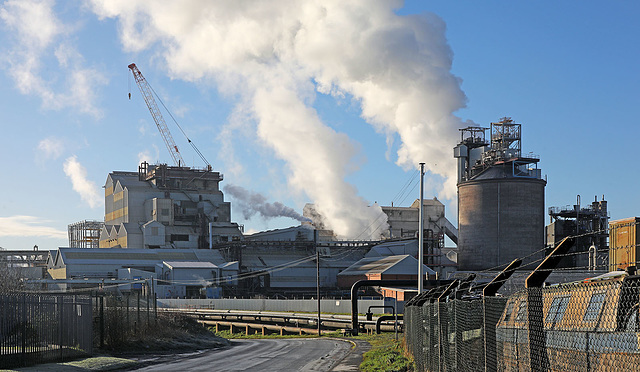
{"points": [[51, 148], [149, 156], [276, 56], [87, 189], [142, 127], [38, 35], [23, 226]]}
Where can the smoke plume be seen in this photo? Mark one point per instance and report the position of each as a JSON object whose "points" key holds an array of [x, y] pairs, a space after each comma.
{"points": [[78, 174], [275, 57], [251, 203]]}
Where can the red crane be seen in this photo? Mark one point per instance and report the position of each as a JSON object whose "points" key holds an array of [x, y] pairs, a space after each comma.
{"points": [[147, 94]]}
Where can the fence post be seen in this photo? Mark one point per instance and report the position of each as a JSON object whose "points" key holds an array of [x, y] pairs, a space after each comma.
{"points": [[128, 324], [24, 326], [102, 321], [75, 320], [62, 327], [148, 299], [155, 306], [138, 311]]}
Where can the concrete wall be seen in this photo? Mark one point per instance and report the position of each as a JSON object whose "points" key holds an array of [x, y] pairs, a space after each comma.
{"points": [[342, 306]]}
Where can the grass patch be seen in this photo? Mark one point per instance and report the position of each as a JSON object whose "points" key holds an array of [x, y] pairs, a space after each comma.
{"points": [[101, 364], [386, 354]]}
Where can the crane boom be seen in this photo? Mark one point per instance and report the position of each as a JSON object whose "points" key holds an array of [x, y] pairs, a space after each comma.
{"points": [[145, 89]]}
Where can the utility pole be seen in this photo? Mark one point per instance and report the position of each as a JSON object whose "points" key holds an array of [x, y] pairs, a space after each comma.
{"points": [[315, 243], [421, 233], [318, 283]]}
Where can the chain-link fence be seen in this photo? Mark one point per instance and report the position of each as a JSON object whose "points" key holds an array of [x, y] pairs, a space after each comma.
{"points": [[39, 328], [585, 326], [457, 335]]}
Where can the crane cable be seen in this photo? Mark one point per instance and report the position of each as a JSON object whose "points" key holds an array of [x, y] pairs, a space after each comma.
{"points": [[193, 145]]}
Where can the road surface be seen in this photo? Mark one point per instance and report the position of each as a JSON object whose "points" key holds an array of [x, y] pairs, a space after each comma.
{"points": [[302, 354]]}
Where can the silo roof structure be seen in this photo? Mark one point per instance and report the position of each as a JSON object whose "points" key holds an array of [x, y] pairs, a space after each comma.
{"points": [[500, 199]]}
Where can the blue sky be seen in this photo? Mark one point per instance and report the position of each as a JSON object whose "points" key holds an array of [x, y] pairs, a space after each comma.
{"points": [[339, 114]]}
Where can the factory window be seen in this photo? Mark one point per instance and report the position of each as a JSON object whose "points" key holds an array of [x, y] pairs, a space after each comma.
{"points": [[164, 211], [179, 237], [154, 231], [557, 309], [594, 307]]}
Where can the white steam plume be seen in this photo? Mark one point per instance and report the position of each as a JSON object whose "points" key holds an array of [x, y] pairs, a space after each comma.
{"points": [[252, 202], [276, 56], [78, 174]]}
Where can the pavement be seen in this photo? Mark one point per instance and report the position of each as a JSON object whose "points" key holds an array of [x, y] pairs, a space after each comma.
{"points": [[350, 362]]}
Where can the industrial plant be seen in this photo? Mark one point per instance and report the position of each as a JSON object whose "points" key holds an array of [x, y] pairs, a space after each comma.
{"points": [[171, 225]]}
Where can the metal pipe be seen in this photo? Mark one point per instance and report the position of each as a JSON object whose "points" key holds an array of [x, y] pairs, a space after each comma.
{"points": [[364, 283], [381, 319]]}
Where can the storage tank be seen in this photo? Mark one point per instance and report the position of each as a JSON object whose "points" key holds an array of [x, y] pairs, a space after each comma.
{"points": [[501, 211]]}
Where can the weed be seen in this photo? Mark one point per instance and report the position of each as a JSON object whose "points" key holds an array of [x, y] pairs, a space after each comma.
{"points": [[386, 354]]}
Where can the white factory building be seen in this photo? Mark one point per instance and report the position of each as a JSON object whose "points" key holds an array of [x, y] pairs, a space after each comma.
{"points": [[162, 206]]}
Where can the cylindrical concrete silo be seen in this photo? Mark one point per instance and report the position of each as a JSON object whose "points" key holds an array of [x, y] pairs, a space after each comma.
{"points": [[500, 202]]}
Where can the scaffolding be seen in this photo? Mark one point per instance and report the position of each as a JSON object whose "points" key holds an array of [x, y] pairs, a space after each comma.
{"points": [[85, 234]]}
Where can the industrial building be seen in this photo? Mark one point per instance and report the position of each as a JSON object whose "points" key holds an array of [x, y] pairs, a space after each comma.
{"points": [[403, 226], [624, 242], [401, 267], [589, 223], [500, 198], [176, 272], [163, 206], [24, 263]]}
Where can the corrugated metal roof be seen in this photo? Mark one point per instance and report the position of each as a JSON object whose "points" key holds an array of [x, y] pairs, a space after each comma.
{"points": [[190, 265], [402, 247], [400, 264], [126, 256]]}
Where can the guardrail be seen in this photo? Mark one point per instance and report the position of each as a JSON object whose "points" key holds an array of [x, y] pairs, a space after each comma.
{"points": [[269, 322]]}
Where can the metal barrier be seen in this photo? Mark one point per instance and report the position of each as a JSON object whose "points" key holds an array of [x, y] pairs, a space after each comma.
{"points": [[39, 328], [121, 318]]}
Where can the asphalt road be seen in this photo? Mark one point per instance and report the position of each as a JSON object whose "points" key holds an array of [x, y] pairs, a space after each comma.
{"points": [[303, 354]]}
